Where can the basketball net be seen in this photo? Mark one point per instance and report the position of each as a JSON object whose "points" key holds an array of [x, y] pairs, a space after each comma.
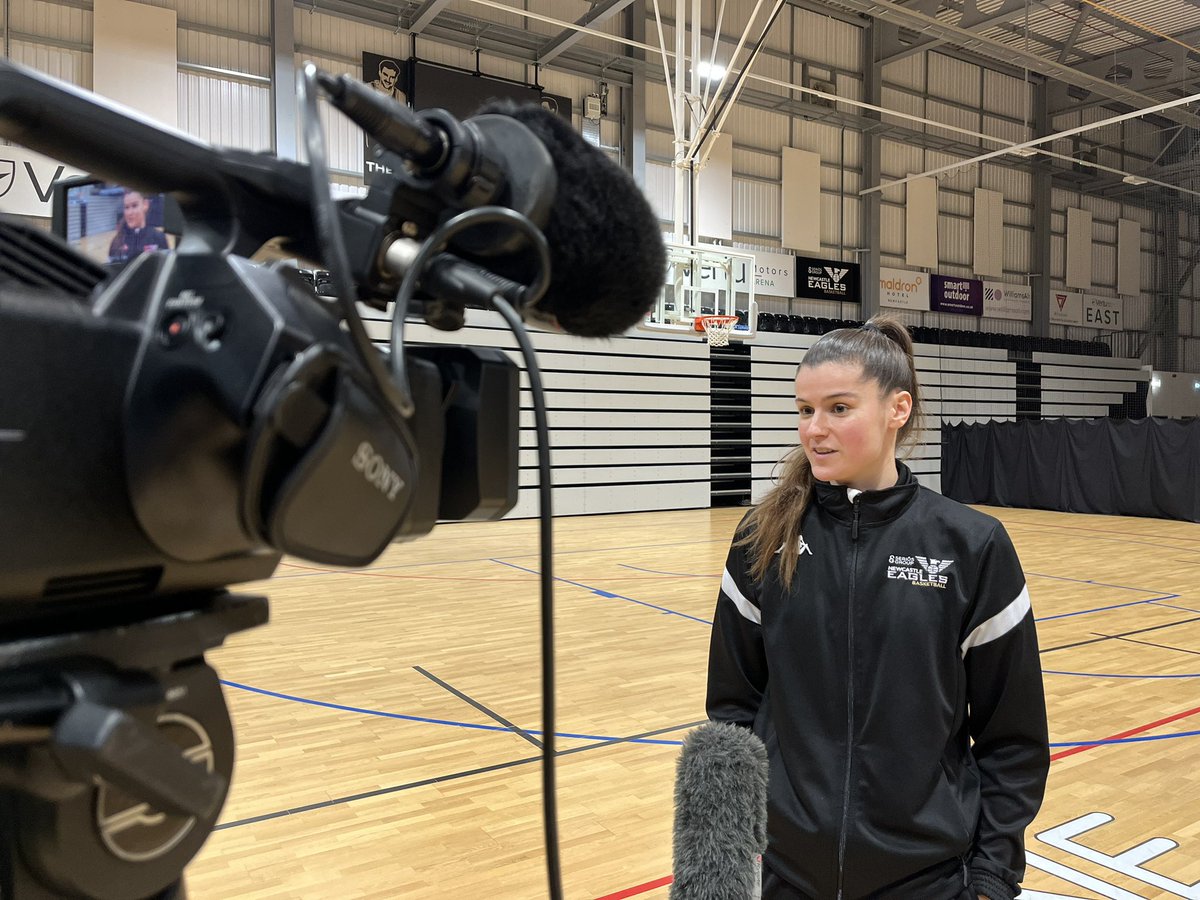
{"points": [[717, 329]]}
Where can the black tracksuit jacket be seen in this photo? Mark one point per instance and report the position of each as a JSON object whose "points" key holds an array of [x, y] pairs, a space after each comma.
{"points": [[897, 687]]}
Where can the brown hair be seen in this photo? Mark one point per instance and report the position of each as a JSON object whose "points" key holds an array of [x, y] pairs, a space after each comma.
{"points": [[883, 348]]}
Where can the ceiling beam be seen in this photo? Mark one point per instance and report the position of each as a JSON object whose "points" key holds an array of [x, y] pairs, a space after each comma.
{"points": [[425, 14], [1139, 57], [601, 12], [892, 12], [970, 18], [1080, 18]]}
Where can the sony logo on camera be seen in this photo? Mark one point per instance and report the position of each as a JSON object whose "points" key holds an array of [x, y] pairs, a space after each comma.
{"points": [[376, 470]]}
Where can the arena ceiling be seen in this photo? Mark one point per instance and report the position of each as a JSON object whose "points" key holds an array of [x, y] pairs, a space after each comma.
{"points": [[1119, 55]]}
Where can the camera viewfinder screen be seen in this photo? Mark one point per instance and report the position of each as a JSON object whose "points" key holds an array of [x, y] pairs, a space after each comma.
{"points": [[113, 224]]}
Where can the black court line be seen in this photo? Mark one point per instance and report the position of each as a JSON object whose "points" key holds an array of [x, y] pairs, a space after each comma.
{"points": [[1121, 635], [515, 729], [1159, 646], [438, 779]]}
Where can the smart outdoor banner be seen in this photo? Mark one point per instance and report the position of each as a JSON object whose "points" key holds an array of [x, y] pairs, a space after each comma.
{"points": [[901, 289], [821, 279], [956, 295], [1007, 301]]}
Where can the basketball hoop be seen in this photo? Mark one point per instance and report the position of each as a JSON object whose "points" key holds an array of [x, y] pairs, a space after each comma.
{"points": [[717, 329]]}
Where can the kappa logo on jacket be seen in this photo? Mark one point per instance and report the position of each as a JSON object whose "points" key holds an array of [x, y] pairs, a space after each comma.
{"points": [[801, 547], [919, 570]]}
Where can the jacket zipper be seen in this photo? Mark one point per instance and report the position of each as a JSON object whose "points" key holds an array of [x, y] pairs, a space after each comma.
{"points": [[849, 702]]}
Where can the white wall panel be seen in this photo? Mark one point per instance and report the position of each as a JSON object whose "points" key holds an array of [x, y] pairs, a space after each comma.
{"points": [[1079, 260], [921, 223]]}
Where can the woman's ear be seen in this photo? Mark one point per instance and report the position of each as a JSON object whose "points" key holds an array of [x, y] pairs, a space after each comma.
{"points": [[901, 409]]}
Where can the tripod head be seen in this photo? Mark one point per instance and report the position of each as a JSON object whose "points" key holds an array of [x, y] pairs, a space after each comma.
{"points": [[116, 750]]}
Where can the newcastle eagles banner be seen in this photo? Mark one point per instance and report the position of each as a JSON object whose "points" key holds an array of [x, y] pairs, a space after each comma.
{"points": [[823, 279]]}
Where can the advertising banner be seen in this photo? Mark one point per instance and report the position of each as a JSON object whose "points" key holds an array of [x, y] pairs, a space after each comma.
{"points": [[821, 279], [1007, 301], [901, 289], [956, 295]]}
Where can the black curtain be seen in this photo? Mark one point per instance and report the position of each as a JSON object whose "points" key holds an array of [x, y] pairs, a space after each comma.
{"points": [[1126, 467]]}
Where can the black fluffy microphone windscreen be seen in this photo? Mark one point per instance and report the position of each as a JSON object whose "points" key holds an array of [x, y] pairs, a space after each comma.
{"points": [[606, 244], [720, 814]]}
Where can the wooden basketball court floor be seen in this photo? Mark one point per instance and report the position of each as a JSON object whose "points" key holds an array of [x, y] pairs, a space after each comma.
{"points": [[388, 718]]}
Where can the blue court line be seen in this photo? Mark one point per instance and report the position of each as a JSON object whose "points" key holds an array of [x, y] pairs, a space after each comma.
{"points": [[602, 738], [657, 572], [1128, 740], [607, 595], [661, 743], [455, 562], [1084, 612], [424, 720], [1107, 675], [1175, 606]]}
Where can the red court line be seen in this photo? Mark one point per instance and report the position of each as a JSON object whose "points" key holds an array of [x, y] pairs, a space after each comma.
{"points": [[663, 882], [1124, 734], [638, 889]]}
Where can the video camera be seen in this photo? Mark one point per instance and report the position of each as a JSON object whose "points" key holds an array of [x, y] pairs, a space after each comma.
{"points": [[173, 428]]}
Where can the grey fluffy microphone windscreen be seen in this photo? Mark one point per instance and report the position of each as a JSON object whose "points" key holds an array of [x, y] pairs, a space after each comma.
{"points": [[720, 814]]}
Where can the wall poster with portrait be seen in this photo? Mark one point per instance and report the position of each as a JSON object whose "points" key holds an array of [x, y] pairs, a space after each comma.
{"points": [[389, 75]]}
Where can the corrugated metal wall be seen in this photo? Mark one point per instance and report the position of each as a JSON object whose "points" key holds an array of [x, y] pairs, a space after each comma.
{"points": [[225, 97], [832, 49], [231, 107], [978, 100], [337, 45]]}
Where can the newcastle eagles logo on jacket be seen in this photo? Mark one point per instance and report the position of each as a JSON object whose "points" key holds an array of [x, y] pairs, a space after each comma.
{"points": [[919, 570]]}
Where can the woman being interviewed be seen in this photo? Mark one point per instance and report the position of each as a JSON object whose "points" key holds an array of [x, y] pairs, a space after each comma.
{"points": [[878, 638]]}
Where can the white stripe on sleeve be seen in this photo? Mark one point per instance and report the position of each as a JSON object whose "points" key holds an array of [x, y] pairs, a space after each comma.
{"points": [[744, 606], [1000, 624]]}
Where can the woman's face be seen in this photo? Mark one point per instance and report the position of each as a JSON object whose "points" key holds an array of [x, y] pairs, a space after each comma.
{"points": [[848, 427], [135, 209]]}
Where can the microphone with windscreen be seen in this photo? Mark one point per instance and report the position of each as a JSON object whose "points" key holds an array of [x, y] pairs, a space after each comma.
{"points": [[720, 814], [607, 254]]}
